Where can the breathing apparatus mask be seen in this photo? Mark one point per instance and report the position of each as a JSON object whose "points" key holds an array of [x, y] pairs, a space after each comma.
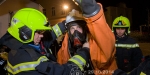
{"points": [[78, 38]]}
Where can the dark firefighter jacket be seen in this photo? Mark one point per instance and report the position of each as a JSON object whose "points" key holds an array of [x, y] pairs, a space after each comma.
{"points": [[47, 41], [23, 59], [128, 53], [142, 69]]}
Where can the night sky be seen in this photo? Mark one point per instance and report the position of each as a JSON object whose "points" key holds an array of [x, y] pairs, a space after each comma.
{"points": [[140, 9]]}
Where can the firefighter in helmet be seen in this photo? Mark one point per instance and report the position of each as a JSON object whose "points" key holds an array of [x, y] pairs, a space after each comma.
{"points": [[128, 52], [91, 27], [26, 56]]}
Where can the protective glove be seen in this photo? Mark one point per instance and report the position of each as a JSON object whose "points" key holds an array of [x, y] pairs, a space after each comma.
{"points": [[89, 7], [4, 55]]}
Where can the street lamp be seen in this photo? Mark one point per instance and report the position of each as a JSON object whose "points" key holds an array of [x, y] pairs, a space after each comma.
{"points": [[65, 7]]}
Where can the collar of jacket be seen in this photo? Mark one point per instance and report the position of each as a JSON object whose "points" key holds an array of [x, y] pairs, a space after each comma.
{"points": [[36, 47], [11, 42], [121, 38]]}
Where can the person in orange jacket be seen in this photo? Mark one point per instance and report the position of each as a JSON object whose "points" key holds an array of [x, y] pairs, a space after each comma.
{"points": [[100, 38]]}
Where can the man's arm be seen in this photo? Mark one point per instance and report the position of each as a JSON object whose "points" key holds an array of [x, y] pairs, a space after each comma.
{"points": [[75, 64], [50, 36], [137, 56], [142, 69], [99, 30]]}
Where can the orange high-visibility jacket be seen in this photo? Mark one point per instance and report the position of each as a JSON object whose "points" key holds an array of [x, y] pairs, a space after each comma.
{"points": [[101, 41]]}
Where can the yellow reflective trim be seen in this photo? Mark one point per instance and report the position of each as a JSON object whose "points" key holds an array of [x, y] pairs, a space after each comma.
{"points": [[83, 60], [78, 60], [8, 73], [50, 51], [57, 30], [77, 63], [142, 73], [116, 45], [26, 66], [128, 72], [127, 45]]}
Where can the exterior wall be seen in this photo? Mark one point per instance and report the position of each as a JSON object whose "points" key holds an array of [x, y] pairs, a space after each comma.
{"points": [[3, 24], [58, 5], [110, 14], [12, 6]]}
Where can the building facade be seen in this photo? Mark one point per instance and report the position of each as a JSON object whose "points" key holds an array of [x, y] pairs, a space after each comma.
{"points": [[9, 7], [54, 11]]}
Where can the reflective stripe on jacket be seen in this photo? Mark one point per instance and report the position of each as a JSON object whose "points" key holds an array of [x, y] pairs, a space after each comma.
{"points": [[127, 45], [26, 66]]}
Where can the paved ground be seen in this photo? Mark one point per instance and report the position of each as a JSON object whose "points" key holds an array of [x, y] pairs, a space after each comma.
{"points": [[145, 47]]}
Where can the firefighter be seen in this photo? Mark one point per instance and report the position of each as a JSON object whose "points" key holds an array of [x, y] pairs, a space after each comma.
{"points": [[100, 38], [128, 53], [26, 57]]}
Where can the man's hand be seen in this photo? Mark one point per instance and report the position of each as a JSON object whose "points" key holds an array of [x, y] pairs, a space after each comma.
{"points": [[86, 44], [4, 55]]}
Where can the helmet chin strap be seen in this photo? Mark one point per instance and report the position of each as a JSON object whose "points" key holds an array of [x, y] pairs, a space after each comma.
{"points": [[120, 36], [125, 34]]}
